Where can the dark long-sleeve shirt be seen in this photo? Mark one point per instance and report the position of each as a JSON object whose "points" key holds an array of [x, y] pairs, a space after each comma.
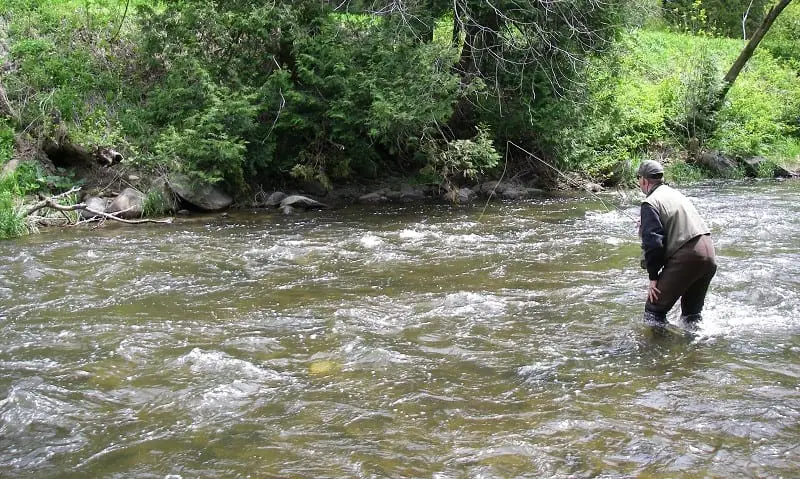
{"points": [[653, 241]]}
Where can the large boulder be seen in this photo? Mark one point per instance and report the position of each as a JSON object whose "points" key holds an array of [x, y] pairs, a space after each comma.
{"points": [[717, 163], [459, 196], [275, 199], [756, 165], [95, 203], [204, 197], [128, 204]]}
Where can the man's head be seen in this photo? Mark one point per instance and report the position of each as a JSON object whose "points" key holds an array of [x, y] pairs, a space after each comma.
{"points": [[651, 169], [650, 173]]}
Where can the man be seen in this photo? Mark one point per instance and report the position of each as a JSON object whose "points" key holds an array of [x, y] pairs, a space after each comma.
{"points": [[678, 252]]}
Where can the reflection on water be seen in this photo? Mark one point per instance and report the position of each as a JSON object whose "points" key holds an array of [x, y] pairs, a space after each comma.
{"points": [[422, 341]]}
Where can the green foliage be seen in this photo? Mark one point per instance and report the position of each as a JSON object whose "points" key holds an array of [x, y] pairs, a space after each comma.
{"points": [[654, 99], [363, 86], [766, 169], [201, 126], [688, 99], [155, 203], [620, 115], [716, 17], [67, 78], [462, 158], [6, 141], [762, 111], [12, 221], [680, 172], [258, 92], [29, 178], [782, 39]]}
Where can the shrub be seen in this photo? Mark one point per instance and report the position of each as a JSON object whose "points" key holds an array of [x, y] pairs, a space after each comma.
{"points": [[783, 36], [6, 141], [155, 203], [12, 222], [680, 172], [462, 158]]}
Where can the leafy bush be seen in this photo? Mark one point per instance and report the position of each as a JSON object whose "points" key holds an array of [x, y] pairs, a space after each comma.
{"points": [[12, 222], [462, 158], [364, 86], [680, 172], [6, 141], [783, 36], [155, 203], [620, 115]]}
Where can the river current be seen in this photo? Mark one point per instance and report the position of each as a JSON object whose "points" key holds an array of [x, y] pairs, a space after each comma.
{"points": [[419, 341]]}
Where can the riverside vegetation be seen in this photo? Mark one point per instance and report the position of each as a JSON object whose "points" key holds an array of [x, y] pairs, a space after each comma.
{"points": [[249, 95]]}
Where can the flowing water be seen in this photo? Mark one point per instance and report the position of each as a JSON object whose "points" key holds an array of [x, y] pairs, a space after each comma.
{"points": [[423, 341]]}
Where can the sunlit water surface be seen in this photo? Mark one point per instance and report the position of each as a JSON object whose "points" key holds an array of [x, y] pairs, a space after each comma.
{"points": [[419, 341]]}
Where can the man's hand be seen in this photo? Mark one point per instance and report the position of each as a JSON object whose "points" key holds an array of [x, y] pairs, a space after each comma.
{"points": [[652, 292]]}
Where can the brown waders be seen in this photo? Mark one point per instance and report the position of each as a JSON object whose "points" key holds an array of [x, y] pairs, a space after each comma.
{"points": [[686, 275]]}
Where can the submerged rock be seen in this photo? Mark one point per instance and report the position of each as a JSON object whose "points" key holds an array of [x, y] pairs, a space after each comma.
{"points": [[298, 201]]}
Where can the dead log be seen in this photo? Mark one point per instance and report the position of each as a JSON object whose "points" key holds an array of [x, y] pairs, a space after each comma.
{"points": [[51, 202]]}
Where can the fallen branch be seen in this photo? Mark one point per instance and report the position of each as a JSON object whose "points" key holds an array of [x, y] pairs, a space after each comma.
{"points": [[33, 209], [51, 203]]}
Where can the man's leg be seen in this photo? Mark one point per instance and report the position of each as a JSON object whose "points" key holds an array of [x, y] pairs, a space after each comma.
{"points": [[693, 299], [671, 283], [686, 267]]}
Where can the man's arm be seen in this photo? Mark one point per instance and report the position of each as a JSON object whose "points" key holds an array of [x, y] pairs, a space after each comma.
{"points": [[653, 241]]}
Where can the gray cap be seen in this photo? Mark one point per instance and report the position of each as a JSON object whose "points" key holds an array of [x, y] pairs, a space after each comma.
{"points": [[650, 169]]}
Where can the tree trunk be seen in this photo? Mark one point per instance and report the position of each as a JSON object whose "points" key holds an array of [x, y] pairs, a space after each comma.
{"points": [[741, 61]]}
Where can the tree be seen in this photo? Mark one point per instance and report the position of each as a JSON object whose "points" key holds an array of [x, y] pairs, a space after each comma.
{"points": [[747, 52]]}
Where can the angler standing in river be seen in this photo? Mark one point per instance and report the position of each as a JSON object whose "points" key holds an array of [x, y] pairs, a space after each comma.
{"points": [[678, 252]]}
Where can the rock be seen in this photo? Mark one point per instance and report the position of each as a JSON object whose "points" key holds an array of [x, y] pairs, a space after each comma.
{"points": [[490, 188], [95, 203], [593, 187], [298, 201], [202, 196], [287, 210], [373, 198], [514, 192], [406, 194], [717, 163], [9, 167], [275, 199], [781, 172], [460, 196], [129, 204]]}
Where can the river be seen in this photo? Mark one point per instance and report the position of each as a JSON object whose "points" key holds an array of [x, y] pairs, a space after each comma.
{"points": [[417, 341]]}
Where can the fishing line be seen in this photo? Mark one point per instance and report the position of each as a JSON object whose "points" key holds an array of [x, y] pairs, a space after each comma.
{"points": [[569, 180]]}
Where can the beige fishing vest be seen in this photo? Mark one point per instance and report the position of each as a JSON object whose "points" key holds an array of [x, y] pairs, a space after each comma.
{"points": [[678, 216]]}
